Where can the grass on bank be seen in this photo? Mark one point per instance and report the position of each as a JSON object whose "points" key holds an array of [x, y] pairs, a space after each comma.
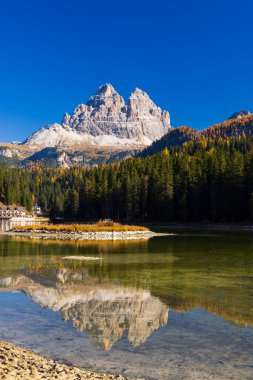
{"points": [[101, 226]]}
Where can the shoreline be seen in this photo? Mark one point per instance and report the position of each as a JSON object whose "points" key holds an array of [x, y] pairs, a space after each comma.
{"points": [[86, 236], [20, 363], [207, 226]]}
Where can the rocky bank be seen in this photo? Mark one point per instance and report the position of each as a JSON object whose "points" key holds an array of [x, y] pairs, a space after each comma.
{"points": [[99, 235], [19, 364]]}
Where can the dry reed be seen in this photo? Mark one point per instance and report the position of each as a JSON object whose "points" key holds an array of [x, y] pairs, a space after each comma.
{"points": [[98, 227]]}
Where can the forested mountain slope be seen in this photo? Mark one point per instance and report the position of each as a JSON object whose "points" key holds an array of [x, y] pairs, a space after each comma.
{"points": [[176, 137], [200, 181], [241, 126]]}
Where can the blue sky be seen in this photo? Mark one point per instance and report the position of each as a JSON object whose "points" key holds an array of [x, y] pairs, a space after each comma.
{"points": [[193, 57]]}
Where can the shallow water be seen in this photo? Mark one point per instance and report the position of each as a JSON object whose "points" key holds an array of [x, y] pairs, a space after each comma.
{"points": [[175, 307]]}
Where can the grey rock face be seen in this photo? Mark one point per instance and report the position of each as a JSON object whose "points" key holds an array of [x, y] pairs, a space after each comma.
{"points": [[107, 121]]}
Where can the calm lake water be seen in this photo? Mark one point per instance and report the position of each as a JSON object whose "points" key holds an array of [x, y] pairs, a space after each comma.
{"points": [[173, 307]]}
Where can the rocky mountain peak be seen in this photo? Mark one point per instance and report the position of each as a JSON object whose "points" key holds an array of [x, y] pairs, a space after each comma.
{"points": [[106, 96], [106, 120], [141, 106], [238, 115], [66, 119], [106, 90], [138, 94]]}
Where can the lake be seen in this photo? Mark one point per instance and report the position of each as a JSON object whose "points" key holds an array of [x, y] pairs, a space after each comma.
{"points": [[172, 307]]}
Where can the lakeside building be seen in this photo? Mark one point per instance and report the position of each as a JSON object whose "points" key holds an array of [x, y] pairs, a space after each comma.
{"points": [[13, 211], [37, 210]]}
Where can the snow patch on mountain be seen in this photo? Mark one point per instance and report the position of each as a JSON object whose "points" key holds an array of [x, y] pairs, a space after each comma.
{"points": [[8, 153]]}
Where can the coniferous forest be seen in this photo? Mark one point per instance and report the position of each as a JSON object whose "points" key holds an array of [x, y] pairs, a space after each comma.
{"points": [[206, 180]]}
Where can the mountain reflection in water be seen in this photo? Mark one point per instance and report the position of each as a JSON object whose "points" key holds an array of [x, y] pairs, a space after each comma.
{"points": [[104, 310], [203, 279]]}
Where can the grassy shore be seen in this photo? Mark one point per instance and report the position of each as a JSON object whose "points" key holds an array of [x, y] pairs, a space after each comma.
{"points": [[66, 228]]}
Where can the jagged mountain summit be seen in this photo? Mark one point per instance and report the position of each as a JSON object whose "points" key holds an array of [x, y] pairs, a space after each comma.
{"points": [[238, 115], [106, 120]]}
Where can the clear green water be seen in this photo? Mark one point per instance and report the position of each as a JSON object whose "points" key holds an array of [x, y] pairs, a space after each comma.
{"points": [[173, 307]]}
